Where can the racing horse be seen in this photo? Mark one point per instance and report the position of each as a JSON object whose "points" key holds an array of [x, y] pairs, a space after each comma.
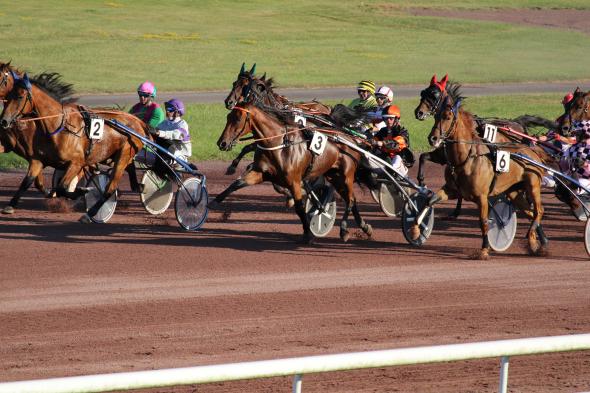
{"points": [[470, 164], [431, 99], [282, 157], [248, 87], [61, 139], [12, 140]]}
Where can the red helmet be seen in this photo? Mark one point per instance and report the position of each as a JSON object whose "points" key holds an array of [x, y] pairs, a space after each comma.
{"points": [[391, 111]]}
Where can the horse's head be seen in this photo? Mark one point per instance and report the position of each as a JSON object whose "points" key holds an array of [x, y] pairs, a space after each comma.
{"points": [[445, 122], [577, 110], [7, 76], [431, 98], [241, 88], [19, 102], [239, 123]]}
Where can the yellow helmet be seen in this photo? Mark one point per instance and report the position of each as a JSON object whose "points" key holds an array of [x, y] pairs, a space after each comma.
{"points": [[366, 85]]}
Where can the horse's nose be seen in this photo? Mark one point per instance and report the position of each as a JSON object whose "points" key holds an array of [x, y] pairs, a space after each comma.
{"points": [[433, 139], [222, 145], [565, 129], [4, 123], [419, 115], [229, 104]]}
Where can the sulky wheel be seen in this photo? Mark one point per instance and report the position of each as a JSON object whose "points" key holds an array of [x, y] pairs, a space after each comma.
{"points": [[96, 187], [587, 237], [390, 200], [190, 204], [157, 193], [321, 217], [502, 224], [409, 216]]}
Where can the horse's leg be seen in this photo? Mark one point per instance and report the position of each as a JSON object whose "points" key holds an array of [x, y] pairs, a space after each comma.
{"points": [[234, 164], [289, 201], [533, 189], [121, 163], [367, 228], [437, 160], [300, 210], [421, 161], [249, 178], [133, 183], [40, 185], [482, 204], [35, 168], [63, 188], [440, 196]]}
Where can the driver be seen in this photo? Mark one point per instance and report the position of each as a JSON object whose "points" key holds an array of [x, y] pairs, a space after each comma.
{"points": [[392, 142]]}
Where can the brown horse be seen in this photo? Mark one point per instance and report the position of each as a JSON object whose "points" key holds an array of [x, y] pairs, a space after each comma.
{"points": [[249, 88], [12, 140], [431, 99], [472, 166], [576, 111], [61, 140], [282, 157]]}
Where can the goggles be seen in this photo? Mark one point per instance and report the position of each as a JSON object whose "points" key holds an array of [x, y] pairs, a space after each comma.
{"points": [[142, 94], [171, 109]]}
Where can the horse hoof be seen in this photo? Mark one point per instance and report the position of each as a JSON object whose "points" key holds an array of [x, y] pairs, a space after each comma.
{"points": [[344, 236], [230, 170], [290, 202], [540, 251], [415, 232], [368, 229], [85, 219], [481, 255], [8, 210], [306, 240]]}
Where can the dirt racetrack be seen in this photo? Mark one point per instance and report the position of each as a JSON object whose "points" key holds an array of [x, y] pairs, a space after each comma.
{"points": [[139, 293]]}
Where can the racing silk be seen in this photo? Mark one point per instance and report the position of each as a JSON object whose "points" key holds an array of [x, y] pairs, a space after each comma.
{"points": [[151, 114], [176, 131], [400, 135], [580, 152], [364, 105]]}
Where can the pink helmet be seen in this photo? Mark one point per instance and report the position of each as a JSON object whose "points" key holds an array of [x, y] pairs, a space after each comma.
{"points": [[386, 92], [147, 87]]}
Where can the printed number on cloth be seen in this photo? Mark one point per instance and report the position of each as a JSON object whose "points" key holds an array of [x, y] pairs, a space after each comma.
{"points": [[96, 128], [318, 143], [502, 161], [489, 133]]}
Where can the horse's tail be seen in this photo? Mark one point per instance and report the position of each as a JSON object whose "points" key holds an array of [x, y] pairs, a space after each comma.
{"points": [[527, 121]]}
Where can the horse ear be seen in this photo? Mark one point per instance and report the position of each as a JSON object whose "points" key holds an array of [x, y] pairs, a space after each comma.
{"points": [[253, 69], [263, 77], [433, 80], [443, 81], [27, 82], [456, 107], [243, 69], [577, 90]]}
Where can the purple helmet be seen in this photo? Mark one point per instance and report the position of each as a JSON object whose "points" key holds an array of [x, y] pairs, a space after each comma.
{"points": [[175, 105]]}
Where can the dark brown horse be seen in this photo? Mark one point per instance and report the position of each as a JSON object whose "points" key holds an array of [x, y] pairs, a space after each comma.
{"points": [[470, 162], [249, 88], [431, 100], [576, 111], [282, 157], [61, 139]]}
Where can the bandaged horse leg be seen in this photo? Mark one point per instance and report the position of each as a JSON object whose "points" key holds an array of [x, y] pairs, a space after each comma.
{"points": [[249, 178], [440, 196], [35, 168], [366, 227]]}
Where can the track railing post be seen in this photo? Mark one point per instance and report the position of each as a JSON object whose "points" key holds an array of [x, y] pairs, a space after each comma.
{"points": [[504, 363], [297, 383]]}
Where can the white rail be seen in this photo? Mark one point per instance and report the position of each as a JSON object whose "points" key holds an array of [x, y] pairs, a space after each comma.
{"points": [[304, 365]]}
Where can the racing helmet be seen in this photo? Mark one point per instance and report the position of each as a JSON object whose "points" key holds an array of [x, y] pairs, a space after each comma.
{"points": [[175, 105], [147, 87], [386, 92], [367, 86], [391, 111]]}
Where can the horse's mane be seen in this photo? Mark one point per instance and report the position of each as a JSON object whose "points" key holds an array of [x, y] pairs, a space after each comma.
{"points": [[343, 115], [52, 84], [454, 91]]}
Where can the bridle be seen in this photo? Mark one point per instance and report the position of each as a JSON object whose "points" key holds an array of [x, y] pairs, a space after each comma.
{"points": [[445, 135], [427, 95]]}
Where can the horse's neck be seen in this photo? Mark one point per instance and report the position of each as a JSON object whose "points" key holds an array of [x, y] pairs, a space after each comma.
{"points": [[464, 138]]}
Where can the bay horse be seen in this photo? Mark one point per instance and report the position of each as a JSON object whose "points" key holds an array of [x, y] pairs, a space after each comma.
{"points": [[12, 140], [61, 138], [470, 162], [248, 87], [431, 99], [282, 157]]}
